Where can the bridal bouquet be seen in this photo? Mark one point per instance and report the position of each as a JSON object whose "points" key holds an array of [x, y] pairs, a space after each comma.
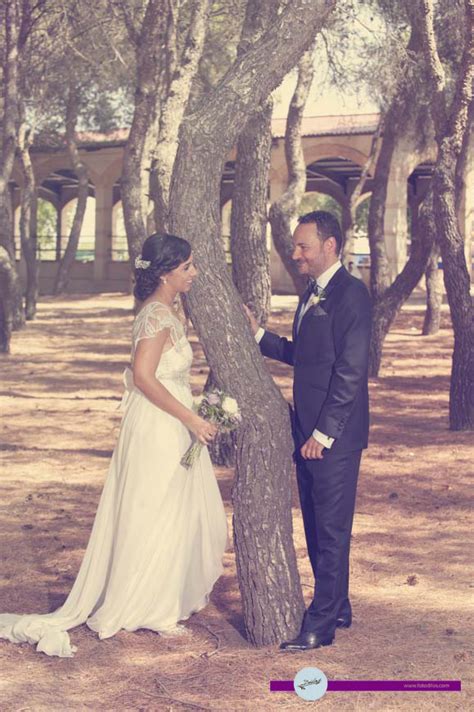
{"points": [[218, 408]]}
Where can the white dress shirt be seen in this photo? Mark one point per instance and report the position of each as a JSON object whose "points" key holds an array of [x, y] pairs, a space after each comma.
{"points": [[322, 282]]}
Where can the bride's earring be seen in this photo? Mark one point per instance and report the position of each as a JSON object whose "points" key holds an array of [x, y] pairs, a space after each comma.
{"points": [[164, 280]]}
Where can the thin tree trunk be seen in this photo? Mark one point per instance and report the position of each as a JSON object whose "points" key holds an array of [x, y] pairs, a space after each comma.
{"points": [[434, 295], [180, 74], [348, 247], [28, 223], [65, 266], [134, 182], [379, 264], [387, 306], [266, 562], [8, 138], [6, 300], [451, 125], [285, 208]]}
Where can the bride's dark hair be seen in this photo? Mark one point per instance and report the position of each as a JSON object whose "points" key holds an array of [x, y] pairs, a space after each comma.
{"points": [[164, 253]]}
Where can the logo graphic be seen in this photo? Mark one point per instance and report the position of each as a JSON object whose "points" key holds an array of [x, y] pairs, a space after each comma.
{"points": [[310, 683]]}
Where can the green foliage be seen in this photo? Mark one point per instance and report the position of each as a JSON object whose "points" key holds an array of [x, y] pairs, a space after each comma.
{"points": [[319, 201], [361, 218], [46, 229]]}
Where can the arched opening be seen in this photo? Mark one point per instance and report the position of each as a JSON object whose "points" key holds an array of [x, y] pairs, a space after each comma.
{"points": [[320, 201], [47, 231], [86, 247], [59, 189], [335, 176], [225, 229]]}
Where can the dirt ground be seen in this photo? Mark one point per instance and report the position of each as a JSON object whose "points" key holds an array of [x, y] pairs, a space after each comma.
{"points": [[411, 592]]}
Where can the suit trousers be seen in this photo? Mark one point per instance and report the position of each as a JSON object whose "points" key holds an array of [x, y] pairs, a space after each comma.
{"points": [[327, 490]]}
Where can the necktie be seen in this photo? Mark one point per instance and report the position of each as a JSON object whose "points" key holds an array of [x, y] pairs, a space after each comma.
{"points": [[312, 288]]}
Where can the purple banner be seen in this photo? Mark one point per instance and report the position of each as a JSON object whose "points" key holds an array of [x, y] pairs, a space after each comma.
{"points": [[377, 686]]}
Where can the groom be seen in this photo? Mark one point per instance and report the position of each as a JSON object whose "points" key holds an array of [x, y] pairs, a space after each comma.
{"points": [[329, 353]]}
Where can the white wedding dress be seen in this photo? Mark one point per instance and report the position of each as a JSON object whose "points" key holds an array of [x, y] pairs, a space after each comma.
{"points": [[160, 531]]}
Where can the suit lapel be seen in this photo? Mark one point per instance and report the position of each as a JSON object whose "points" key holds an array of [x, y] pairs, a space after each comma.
{"points": [[333, 283]]}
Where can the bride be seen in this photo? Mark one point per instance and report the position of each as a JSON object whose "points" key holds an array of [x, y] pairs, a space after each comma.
{"points": [[160, 531]]}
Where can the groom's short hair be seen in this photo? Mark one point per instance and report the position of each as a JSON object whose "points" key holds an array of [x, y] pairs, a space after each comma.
{"points": [[327, 226]]}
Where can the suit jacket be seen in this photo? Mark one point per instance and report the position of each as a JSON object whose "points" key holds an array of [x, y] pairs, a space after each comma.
{"points": [[330, 359]]}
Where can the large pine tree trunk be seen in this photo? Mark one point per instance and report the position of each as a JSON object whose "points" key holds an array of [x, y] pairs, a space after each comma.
{"points": [[451, 126], [248, 243], [248, 229], [8, 139], [266, 562], [65, 266], [28, 223], [457, 283]]}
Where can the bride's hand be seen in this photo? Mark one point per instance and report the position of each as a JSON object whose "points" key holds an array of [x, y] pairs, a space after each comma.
{"points": [[204, 431]]}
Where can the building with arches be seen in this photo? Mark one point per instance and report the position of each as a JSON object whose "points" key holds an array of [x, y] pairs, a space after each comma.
{"points": [[335, 150]]}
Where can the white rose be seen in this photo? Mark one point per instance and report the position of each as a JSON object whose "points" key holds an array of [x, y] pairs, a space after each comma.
{"points": [[198, 400], [230, 406]]}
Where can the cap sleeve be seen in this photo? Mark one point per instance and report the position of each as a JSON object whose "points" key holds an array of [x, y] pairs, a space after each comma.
{"points": [[153, 319]]}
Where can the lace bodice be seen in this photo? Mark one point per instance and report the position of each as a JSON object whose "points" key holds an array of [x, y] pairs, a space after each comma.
{"points": [[177, 355]]}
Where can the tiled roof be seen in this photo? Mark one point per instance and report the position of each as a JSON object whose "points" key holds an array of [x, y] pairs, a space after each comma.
{"points": [[311, 126], [330, 125]]}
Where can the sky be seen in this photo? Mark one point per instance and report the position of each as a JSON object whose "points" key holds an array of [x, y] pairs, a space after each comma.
{"points": [[325, 101]]}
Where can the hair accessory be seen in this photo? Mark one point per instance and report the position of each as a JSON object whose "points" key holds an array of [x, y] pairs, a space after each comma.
{"points": [[141, 264]]}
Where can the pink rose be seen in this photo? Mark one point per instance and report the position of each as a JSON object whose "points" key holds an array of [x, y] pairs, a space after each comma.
{"points": [[213, 399]]}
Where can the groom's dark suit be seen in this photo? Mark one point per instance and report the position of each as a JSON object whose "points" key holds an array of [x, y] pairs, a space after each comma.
{"points": [[329, 354]]}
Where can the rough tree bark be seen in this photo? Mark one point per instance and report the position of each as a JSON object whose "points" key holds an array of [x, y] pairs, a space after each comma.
{"points": [[285, 208], [148, 42], [13, 305], [266, 562], [250, 259], [181, 68], [380, 278], [65, 266], [451, 123], [28, 223], [248, 223]]}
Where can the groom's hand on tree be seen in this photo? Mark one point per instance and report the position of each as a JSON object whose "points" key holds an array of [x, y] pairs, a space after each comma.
{"points": [[312, 450], [254, 325]]}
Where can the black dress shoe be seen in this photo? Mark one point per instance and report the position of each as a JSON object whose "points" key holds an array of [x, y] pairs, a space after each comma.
{"points": [[343, 622], [306, 641]]}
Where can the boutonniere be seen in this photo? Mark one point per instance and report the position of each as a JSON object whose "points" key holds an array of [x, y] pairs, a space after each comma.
{"points": [[316, 299]]}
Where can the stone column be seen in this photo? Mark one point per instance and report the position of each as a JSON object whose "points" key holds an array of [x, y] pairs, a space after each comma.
{"points": [[103, 228], [395, 222]]}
